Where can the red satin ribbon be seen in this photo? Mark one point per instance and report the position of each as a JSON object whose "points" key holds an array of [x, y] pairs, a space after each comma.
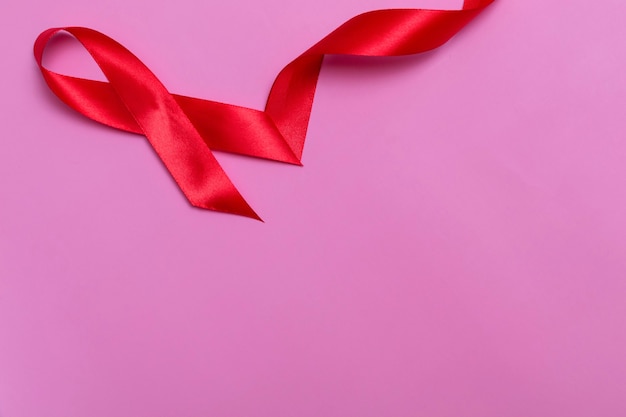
{"points": [[183, 130]]}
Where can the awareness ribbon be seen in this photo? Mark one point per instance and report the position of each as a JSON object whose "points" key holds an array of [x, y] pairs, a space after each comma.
{"points": [[184, 130]]}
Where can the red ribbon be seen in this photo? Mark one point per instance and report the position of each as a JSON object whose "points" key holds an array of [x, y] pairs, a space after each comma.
{"points": [[183, 130]]}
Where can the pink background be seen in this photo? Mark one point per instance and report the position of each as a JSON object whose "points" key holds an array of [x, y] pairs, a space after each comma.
{"points": [[454, 245]]}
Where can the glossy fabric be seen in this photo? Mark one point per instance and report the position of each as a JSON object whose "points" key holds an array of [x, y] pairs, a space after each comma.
{"points": [[184, 130]]}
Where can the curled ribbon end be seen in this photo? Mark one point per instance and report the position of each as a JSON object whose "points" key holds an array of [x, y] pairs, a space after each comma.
{"points": [[241, 208]]}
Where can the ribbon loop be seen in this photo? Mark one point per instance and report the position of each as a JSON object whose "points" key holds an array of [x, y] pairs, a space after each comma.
{"points": [[159, 117]]}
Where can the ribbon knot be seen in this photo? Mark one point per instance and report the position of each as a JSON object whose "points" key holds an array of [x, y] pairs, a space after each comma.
{"points": [[184, 131]]}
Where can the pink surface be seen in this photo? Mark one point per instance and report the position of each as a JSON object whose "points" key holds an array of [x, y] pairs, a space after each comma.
{"points": [[480, 272]]}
